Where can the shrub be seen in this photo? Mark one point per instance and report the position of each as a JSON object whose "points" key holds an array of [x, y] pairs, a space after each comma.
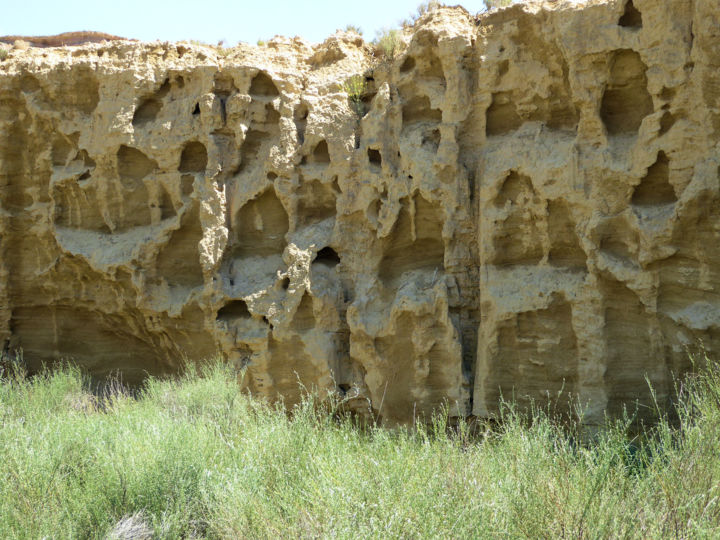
{"points": [[388, 43], [355, 88], [355, 29], [3, 54], [424, 8]]}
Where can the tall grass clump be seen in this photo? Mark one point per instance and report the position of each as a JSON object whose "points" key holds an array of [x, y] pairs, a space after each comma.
{"points": [[196, 457], [388, 43]]}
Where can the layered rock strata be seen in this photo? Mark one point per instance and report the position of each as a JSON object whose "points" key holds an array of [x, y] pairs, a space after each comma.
{"points": [[524, 205]]}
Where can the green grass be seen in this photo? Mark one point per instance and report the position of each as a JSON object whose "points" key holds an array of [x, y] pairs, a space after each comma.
{"points": [[195, 457]]}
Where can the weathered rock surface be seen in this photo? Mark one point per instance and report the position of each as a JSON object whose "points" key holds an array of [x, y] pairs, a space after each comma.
{"points": [[529, 207]]}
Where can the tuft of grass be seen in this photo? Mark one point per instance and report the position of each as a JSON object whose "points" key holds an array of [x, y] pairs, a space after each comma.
{"points": [[354, 29], [3, 54], [494, 4], [388, 43], [422, 9], [355, 87], [197, 457]]}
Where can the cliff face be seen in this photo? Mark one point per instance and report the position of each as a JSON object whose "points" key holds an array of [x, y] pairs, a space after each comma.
{"points": [[529, 207]]}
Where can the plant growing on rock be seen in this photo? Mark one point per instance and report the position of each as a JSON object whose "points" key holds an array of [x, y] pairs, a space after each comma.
{"points": [[3, 54], [388, 43], [421, 10], [492, 4], [355, 88], [353, 28]]}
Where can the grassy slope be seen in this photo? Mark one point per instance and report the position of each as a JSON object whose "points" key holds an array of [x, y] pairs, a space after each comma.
{"points": [[196, 457]]}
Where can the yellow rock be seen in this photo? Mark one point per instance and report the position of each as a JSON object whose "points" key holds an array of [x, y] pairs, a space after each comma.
{"points": [[527, 208]]}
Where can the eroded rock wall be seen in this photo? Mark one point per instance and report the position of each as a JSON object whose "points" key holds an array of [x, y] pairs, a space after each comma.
{"points": [[528, 208]]}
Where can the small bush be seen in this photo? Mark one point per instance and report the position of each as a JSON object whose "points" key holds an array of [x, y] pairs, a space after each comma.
{"points": [[355, 87], [388, 43], [424, 8], [3, 54], [354, 29]]}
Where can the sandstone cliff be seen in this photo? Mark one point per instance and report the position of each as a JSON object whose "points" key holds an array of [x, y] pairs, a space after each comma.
{"points": [[528, 207]]}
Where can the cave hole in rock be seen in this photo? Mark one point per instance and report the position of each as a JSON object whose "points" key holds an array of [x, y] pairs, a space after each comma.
{"points": [[419, 109], [407, 65], [84, 335], [285, 283], [666, 122], [367, 99], [262, 85], [133, 165], [422, 251], [565, 250], [327, 256], [193, 158], [167, 209], [260, 226], [655, 189], [667, 94], [164, 89], [179, 261], [250, 150], [316, 202], [433, 69], [374, 157], [502, 116], [517, 239], [300, 117], [321, 153], [304, 318], [235, 309], [147, 112], [271, 176], [631, 17], [626, 101], [196, 109], [272, 117]]}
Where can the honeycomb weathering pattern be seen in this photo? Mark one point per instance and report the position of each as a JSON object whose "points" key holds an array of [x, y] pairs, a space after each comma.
{"points": [[529, 208]]}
